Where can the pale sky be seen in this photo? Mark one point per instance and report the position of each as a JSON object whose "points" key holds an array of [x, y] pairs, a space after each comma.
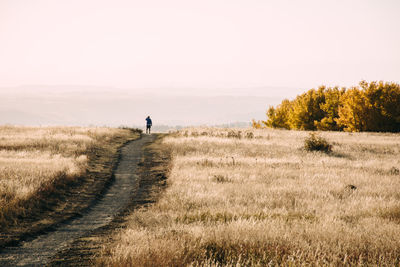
{"points": [[202, 43]]}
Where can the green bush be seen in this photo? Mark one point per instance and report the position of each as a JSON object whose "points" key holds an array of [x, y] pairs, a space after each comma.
{"points": [[316, 143]]}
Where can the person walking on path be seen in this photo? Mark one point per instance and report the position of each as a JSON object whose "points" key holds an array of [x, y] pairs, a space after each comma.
{"points": [[149, 123]]}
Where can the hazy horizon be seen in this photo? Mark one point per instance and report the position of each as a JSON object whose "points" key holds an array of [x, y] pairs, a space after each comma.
{"points": [[118, 107]]}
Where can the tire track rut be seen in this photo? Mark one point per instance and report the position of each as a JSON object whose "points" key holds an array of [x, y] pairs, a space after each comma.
{"points": [[38, 252]]}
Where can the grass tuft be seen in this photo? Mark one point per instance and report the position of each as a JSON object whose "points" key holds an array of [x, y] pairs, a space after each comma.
{"points": [[221, 179], [234, 134], [316, 143], [394, 171]]}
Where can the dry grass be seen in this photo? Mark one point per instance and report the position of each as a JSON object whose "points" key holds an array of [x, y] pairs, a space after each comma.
{"points": [[259, 198], [36, 160]]}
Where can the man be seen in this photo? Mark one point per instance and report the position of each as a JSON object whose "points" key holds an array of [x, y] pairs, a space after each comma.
{"points": [[149, 123]]}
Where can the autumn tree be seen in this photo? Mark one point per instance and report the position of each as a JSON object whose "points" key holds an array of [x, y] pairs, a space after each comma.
{"points": [[279, 117], [256, 124], [352, 111], [382, 106], [331, 110], [306, 109], [373, 106]]}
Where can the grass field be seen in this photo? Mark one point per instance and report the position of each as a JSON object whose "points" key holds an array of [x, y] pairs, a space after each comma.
{"points": [[37, 161], [257, 197]]}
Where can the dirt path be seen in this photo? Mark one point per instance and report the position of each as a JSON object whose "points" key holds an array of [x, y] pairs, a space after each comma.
{"points": [[39, 251]]}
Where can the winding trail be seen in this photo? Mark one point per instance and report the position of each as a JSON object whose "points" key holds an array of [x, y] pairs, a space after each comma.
{"points": [[39, 251]]}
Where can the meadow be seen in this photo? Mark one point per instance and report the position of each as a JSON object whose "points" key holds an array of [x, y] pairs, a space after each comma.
{"points": [[257, 197], [36, 162]]}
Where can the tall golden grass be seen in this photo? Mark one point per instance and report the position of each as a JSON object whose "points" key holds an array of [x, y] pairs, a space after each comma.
{"points": [[35, 159], [257, 197]]}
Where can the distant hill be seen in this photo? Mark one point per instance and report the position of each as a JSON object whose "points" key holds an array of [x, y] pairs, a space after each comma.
{"points": [[115, 107]]}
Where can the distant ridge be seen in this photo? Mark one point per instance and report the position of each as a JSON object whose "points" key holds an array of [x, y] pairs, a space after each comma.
{"points": [[107, 106]]}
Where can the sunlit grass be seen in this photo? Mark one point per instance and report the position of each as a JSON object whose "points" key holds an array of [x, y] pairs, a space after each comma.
{"points": [[261, 198], [32, 159]]}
